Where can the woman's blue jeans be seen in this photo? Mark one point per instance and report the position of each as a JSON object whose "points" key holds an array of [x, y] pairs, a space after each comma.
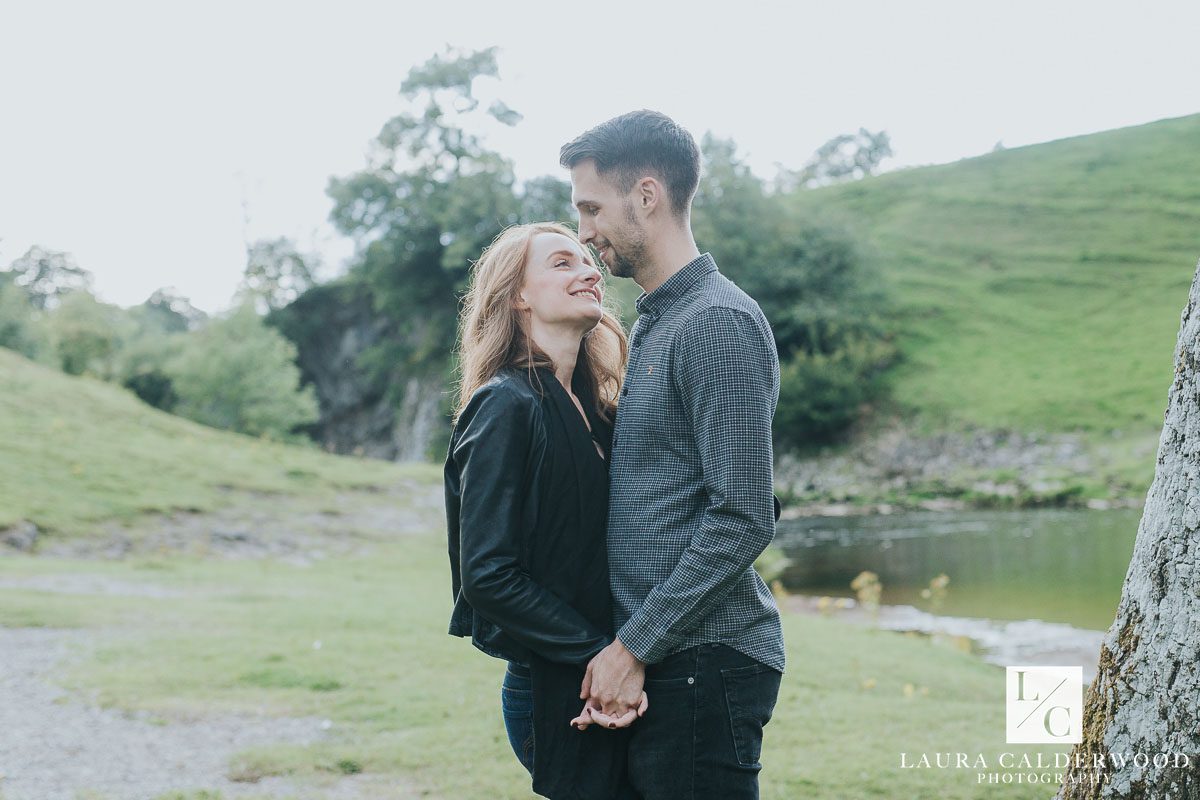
{"points": [[516, 701]]}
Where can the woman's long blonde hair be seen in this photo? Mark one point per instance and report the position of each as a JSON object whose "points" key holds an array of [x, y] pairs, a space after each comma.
{"points": [[492, 335]]}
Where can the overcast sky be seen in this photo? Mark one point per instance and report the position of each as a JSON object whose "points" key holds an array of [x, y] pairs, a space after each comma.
{"points": [[151, 140]]}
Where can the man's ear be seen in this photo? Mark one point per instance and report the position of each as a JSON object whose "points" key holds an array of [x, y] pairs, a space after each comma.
{"points": [[649, 194]]}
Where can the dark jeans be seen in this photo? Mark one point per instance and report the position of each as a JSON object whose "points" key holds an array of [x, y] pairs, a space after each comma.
{"points": [[702, 733], [516, 703]]}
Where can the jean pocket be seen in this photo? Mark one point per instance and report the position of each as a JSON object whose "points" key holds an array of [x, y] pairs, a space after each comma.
{"points": [[678, 682], [516, 702], [750, 692]]}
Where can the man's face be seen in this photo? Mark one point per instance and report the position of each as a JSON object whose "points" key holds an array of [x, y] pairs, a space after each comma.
{"points": [[608, 220]]}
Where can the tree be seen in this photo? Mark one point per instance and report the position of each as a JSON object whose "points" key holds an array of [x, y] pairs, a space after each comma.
{"points": [[820, 292], [431, 197], [167, 311], [20, 328], [48, 275], [547, 199], [846, 157], [429, 201], [160, 325], [86, 334], [276, 273], [236, 373], [1144, 698]]}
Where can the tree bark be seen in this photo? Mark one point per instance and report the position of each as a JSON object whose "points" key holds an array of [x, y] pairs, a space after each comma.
{"points": [[1146, 694]]}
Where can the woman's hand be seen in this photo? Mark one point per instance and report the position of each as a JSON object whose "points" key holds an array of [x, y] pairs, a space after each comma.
{"points": [[591, 714]]}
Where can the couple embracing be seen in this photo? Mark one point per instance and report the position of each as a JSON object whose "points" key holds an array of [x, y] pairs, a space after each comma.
{"points": [[606, 497]]}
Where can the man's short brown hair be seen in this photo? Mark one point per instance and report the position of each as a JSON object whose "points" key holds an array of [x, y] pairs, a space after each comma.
{"points": [[633, 145]]}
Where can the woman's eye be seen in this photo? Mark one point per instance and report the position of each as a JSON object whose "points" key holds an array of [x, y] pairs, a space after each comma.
{"points": [[563, 264]]}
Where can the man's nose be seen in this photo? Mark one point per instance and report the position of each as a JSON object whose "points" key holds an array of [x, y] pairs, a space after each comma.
{"points": [[586, 232]]}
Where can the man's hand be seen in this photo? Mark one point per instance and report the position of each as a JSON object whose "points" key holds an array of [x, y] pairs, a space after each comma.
{"points": [[614, 680]]}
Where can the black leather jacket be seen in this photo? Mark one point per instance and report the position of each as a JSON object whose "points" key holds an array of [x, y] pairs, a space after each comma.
{"points": [[526, 539]]}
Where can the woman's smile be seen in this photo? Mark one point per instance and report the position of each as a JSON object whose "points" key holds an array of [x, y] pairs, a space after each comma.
{"points": [[588, 293]]}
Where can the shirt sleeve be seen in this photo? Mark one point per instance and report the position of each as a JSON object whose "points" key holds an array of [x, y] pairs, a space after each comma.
{"points": [[493, 454], [726, 372]]}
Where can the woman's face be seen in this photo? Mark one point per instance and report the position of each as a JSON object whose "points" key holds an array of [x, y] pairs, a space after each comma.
{"points": [[562, 285]]}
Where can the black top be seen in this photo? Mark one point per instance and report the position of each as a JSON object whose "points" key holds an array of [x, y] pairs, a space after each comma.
{"points": [[526, 501]]}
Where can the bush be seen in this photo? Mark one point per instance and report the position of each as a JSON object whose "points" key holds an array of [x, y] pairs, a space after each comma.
{"points": [[145, 355], [240, 375], [20, 330], [821, 395], [86, 334]]}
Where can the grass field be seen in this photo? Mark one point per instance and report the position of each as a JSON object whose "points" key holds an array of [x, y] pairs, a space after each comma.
{"points": [[77, 450], [405, 700], [1039, 288]]}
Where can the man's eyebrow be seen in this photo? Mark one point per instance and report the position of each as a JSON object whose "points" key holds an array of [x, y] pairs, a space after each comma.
{"points": [[583, 201]]}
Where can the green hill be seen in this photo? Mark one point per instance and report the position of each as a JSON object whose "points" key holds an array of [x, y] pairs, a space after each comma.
{"points": [[74, 451], [1039, 287]]}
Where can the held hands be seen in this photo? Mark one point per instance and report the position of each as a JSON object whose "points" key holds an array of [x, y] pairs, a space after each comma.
{"points": [[592, 715], [612, 689]]}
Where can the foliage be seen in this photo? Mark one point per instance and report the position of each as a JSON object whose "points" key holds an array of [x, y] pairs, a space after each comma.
{"points": [[936, 592], [822, 295], [850, 156], [429, 200], [19, 321], [168, 311], [431, 197], [239, 375], [86, 334], [48, 275], [547, 198], [868, 588], [276, 273], [822, 394]]}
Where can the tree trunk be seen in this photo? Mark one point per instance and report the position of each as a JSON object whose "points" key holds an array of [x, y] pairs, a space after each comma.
{"points": [[1146, 694]]}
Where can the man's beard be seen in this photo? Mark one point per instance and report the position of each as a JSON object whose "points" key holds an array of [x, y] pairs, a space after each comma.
{"points": [[622, 267], [628, 264]]}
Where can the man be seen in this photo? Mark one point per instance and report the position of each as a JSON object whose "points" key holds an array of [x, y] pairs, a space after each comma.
{"points": [[691, 503]]}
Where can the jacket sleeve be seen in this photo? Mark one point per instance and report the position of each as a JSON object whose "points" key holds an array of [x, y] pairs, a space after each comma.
{"points": [[727, 374], [493, 454]]}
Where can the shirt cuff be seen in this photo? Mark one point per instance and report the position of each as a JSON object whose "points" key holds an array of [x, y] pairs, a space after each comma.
{"points": [[648, 642]]}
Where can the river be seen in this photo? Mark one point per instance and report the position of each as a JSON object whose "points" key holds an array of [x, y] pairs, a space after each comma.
{"points": [[1032, 584]]}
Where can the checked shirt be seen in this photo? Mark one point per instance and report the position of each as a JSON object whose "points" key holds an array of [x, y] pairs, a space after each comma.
{"points": [[691, 495]]}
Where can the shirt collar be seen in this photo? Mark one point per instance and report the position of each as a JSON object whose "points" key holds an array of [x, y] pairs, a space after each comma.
{"points": [[656, 302]]}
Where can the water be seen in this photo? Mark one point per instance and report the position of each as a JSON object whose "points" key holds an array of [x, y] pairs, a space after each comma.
{"points": [[1008, 571]]}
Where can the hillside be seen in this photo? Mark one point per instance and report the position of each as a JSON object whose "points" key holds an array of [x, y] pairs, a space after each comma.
{"points": [[76, 450], [1040, 287]]}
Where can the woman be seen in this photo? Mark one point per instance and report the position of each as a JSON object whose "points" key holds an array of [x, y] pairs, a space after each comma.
{"points": [[527, 494]]}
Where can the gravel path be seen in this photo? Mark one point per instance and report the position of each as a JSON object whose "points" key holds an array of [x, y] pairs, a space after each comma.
{"points": [[58, 746]]}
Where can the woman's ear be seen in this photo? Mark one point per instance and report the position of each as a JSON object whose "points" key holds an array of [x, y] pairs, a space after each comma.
{"points": [[520, 303]]}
